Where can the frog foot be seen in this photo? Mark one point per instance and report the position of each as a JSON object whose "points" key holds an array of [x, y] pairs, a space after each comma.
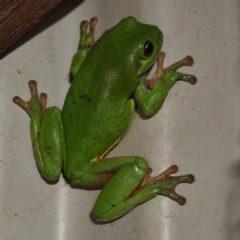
{"points": [[165, 184], [87, 39], [36, 105], [171, 71]]}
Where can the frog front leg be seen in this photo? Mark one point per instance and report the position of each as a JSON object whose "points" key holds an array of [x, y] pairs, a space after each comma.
{"points": [[46, 133], [85, 43], [151, 94]]}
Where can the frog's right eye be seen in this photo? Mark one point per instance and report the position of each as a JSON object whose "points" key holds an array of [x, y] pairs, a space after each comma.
{"points": [[148, 48]]}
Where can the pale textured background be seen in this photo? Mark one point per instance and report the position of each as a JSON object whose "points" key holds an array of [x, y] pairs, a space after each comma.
{"points": [[198, 128]]}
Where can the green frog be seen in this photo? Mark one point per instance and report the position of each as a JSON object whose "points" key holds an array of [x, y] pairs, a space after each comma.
{"points": [[109, 79]]}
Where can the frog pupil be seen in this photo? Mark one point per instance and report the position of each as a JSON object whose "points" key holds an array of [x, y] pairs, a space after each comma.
{"points": [[148, 48]]}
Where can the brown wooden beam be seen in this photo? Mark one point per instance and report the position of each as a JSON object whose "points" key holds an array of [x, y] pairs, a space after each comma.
{"points": [[19, 16]]}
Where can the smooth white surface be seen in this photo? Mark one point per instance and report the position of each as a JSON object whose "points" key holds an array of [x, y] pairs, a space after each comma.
{"points": [[198, 128]]}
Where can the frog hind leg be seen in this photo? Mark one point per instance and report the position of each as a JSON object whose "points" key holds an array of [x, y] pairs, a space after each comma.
{"points": [[163, 185], [46, 133], [126, 183], [85, 43]]}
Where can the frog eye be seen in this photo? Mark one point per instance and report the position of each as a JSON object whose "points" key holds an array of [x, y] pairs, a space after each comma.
{"points": [[148, 48]]}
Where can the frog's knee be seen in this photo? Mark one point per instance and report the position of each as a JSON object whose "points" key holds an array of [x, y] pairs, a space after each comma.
{"points": [[141, 163], [52, 174]]}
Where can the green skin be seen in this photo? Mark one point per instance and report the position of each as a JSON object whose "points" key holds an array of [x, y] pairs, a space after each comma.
{"points": [[97, 112]]}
